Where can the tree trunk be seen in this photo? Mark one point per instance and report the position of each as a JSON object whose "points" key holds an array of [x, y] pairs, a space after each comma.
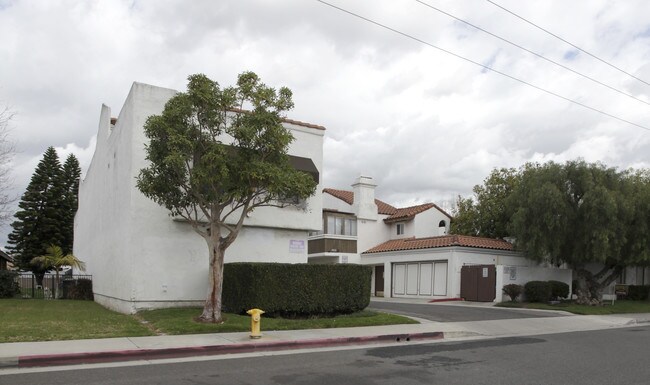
{"points": [[590, 287], [212, 307]]}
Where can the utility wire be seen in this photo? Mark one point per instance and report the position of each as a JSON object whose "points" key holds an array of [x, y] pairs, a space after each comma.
{"points": [[534, 53], [481, 65], [568, 42]]}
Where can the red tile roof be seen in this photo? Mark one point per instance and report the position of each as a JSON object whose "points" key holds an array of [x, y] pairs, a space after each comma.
{"points": [[408, 212], [348, 197], [442, 241]]}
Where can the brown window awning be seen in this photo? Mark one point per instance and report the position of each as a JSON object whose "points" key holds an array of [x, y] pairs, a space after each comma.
{"points": [[304, 165]]}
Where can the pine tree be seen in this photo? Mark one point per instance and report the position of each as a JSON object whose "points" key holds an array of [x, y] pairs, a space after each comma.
{"points": [[70, 183], [41, 209]]}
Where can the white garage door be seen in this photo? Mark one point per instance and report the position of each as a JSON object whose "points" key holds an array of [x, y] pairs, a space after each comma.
{"points": [[420, 278]]}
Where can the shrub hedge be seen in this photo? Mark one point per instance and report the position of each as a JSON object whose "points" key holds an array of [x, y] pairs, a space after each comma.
{"points": [[513, 291], [537, 291], [559, 289], [295, 290], [638, 292], [8, 285]]}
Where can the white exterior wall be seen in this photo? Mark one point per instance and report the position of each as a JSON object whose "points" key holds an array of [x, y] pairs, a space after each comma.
{"points": [[523, 275], [456, 257], [426, 223], [371, 233], [138, 255]]}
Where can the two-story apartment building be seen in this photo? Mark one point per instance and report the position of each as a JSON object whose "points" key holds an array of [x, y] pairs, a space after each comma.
{"points": [[142, 258], [410, 248]]}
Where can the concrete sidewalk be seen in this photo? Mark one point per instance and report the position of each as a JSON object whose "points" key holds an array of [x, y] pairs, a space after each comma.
{"points": [[52, 353]]}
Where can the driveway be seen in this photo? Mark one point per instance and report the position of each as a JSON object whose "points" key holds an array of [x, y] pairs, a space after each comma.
{"points": [[456, 313]]}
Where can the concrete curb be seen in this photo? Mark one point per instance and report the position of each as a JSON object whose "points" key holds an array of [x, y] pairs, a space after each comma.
{"points": [[249, 347]]}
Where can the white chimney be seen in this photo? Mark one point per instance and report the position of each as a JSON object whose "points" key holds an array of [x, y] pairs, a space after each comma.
{"points": [[364, 198]]}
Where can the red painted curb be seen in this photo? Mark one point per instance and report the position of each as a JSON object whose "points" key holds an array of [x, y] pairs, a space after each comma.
{"points": [[152, 354], [446, 300]]}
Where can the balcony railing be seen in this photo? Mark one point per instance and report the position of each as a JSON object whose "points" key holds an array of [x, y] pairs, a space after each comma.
{"points": [[330, 243]]}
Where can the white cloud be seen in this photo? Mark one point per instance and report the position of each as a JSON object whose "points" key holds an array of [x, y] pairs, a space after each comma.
{"points": [[427, 126]]}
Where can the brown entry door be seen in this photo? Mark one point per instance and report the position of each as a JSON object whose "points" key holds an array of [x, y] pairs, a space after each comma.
{"points": [[379, 281], [478, 283]]}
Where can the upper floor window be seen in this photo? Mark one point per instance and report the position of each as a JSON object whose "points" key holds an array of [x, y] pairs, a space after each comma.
{"points": [[442, 224], [341, 225], [400, 228]]}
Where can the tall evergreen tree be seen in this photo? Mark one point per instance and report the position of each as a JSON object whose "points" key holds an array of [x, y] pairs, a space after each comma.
{"points": [[38, 220], [70, 184]]}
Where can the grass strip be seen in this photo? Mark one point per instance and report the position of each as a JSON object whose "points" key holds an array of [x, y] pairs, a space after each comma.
{"points": [[25, 320], [181, 321], [619, 307]]}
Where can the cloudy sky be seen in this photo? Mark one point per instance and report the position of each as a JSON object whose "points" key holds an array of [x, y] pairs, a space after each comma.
{"points": [[424, 123]]}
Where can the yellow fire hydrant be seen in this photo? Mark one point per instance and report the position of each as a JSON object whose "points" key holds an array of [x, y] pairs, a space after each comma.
{"points": [[256, 322]]}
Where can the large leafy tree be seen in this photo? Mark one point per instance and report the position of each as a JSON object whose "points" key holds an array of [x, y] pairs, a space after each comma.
{"points": [[488, 213], [212, 163], [38, 220], [578, 213]]}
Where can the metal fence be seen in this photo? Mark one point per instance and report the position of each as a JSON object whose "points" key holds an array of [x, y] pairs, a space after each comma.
{"points": [[69, 286]]}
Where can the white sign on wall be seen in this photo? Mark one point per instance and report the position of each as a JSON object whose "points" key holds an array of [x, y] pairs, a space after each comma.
{"points": [[297, 246], [485, 272]]}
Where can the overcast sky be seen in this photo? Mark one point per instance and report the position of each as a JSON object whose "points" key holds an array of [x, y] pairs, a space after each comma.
{"points": [[426, 125]]}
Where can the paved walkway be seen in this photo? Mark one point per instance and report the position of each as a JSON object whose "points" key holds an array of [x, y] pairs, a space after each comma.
{"points": [[27, 354]]}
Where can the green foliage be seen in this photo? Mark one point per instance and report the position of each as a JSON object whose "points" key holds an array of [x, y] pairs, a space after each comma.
{"points": [[8, 285], [488, 215], [574, 213], [78, 289], [193, 173], [638, 292], [537, 291], [46, 210], [559, 289], [71, 172], [296, 289], [513, 291]]}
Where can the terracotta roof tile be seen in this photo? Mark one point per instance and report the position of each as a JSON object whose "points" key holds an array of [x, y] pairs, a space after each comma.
{"points": [[442, 241], [408, 212], [348, 197]]}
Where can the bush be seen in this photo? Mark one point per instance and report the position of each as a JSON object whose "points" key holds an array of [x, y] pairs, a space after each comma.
{"points": [[638, 292], [513, 291], [537, 291], [8, 285], [295, 290], [559, 289], [80, 289]]}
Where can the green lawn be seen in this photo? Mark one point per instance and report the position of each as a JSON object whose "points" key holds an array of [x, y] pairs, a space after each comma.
{"points": [[47, 320], [181, 321], [619, 307], [24, 320]]}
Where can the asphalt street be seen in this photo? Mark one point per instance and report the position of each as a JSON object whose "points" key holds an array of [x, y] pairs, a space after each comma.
{"points": [[615, 356], [455, 313]]}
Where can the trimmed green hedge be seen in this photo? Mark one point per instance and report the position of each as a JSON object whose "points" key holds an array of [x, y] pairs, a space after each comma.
{"points": [[559, 289], [638, 292], [537, 291], [295, 290]]}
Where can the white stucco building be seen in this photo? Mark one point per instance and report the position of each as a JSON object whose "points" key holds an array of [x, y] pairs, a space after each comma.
{"points": [[411, 250], [139, 256]]}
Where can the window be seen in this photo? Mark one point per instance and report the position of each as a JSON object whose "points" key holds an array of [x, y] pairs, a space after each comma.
{"points": [[442, 224], [341, 225], [400, 228]]}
